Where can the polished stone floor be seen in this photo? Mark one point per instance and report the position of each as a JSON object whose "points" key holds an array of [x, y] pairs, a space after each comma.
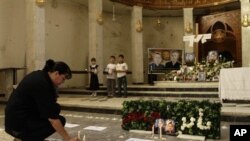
{"points": [[113, 131]]}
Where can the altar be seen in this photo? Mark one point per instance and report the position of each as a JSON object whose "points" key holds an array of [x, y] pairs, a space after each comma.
{"points": [[234, 84]]}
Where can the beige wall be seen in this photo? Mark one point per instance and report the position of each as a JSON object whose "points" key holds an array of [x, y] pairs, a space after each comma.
{"points": [[67, 36], [168, 35], [117, 39], [12, 37]]}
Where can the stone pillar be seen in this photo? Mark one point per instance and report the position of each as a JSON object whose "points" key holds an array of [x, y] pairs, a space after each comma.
{"points": [[137, 45], [96, 35], [188, 27], [35, 51], [245, 34]]}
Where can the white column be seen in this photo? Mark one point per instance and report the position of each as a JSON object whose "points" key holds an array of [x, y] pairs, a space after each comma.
{"points": [[137, 46], [188, 23], [96, 35], [35, 52], [245, 34]]}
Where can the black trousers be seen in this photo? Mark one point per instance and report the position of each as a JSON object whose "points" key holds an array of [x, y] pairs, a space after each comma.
{"points": [[122, 82], [37, 130]]}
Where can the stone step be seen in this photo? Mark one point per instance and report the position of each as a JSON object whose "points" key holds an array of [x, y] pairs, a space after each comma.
{"points": [[148, 93], [101, 104]]}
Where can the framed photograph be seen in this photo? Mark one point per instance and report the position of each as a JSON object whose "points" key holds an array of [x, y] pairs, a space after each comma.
{"points": [[158, 125], [170, 127], [189, 58], [159, 122], [201, 76], [212, 56], [162, 60]]}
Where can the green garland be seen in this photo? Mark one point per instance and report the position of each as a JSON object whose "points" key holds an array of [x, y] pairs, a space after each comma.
{"points": [[142, 114]]}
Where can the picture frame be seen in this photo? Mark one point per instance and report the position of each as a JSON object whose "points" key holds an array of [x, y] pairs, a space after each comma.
{"points": [[170, 127], [189, 59], [160, 60], [201, 76]]}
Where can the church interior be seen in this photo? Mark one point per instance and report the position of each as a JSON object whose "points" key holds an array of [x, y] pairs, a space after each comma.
{"points": [[208, 77]]}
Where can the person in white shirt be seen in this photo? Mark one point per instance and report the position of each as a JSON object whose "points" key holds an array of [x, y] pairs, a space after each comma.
{"points": [[111, 76], [121, 70]]}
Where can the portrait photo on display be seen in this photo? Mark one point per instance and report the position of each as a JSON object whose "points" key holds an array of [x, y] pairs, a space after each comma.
{"points": [[162, 60]]}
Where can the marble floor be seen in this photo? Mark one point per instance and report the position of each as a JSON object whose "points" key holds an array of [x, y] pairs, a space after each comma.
{"points": [[113, 131]]}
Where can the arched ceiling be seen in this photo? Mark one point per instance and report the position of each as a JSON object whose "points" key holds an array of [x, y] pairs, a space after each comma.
{"points": [[201, 7]]}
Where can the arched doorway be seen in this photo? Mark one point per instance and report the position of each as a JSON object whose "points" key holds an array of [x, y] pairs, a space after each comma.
{"points": [[225, 36]]}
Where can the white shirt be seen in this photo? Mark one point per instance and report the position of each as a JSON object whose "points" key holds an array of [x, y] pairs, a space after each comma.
{"points": [[121, 67], [111, 71]]}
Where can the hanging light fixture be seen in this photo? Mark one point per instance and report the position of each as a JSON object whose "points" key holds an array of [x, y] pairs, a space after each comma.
{"points": [[158, 22], [113, 18]]}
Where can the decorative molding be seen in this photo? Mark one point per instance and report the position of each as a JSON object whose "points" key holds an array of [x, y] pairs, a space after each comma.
{"points": [[173, 4]]}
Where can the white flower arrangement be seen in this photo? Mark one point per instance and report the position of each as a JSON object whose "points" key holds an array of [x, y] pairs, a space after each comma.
{"points": [[200, 120], [185, 125]]}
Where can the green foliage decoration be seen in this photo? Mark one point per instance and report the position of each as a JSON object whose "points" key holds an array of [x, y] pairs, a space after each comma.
{"points": [[141, 115]]}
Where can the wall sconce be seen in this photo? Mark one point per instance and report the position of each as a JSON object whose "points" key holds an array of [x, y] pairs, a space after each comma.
{"points": [[40, 2], [158, 22], [245, 22], [99, 19], [188, 28], [138, 26]]}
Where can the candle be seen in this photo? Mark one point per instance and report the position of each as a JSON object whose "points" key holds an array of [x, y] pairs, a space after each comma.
{"points": [[153, 130], [79, 135], [160, 132], [83, 138]]}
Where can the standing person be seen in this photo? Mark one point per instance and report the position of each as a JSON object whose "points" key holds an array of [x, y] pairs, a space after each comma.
{"points": [[111, 76], [94, 82], [32, 112], [121, 70]]}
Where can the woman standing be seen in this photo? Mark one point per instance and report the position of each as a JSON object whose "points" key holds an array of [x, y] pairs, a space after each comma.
{"points": [[32, 112]]}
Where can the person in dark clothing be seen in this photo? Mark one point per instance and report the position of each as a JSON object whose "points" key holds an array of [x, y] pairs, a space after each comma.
{"points": [[94, 82], [32, 112]]}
